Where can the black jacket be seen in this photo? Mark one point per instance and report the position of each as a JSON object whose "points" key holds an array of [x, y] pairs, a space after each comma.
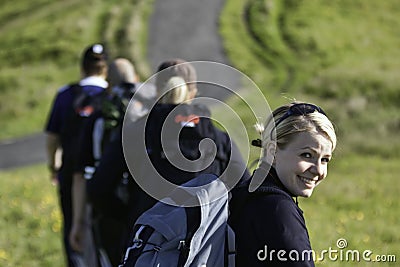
{"points": [[149, 161], [267, 221]]}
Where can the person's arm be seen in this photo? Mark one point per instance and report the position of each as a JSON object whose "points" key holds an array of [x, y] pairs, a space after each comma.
{"points": [[78, 212], [52, 145], [83, 158]]}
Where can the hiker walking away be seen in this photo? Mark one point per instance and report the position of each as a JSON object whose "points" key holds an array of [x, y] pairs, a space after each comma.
{"points": [[175, 112], [108, 194], [63, 132], [297, 143]]}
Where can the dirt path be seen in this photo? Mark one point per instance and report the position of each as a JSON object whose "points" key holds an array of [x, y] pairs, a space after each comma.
{"points": [[186, 29], [23, 151]]}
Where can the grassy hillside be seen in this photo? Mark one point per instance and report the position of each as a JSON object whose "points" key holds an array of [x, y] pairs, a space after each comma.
{"points": [[40, 48], [340, 54]]}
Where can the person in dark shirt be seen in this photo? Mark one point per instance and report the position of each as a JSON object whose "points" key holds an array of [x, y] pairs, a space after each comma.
{"points": [[166, 149], [298, 142], [108, 197], [59, 135]]}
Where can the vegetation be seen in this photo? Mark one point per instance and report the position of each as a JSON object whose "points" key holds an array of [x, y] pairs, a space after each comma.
{"points": [[361, 208], [30, 219], [42, 42], [341, 55]]}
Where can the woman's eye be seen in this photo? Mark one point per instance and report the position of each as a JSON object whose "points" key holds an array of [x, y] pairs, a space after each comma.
{"points": [[306, 155], [326, 160]]}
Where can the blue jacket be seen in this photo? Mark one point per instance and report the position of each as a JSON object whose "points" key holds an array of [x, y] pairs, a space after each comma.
{"points": [[269, 226]]}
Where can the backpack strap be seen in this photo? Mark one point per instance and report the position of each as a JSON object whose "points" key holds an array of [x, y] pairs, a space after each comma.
{"points": [[230, 248], [193, 219], [141, 238]]}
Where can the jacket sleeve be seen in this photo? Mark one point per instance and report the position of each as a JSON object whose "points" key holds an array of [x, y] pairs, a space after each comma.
{"points": [[56, 116]]}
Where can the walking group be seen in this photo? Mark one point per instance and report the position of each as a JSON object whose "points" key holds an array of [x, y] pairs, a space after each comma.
{"points": [[118, 137]]}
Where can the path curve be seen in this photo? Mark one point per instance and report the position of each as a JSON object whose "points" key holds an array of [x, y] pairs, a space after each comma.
{"points": [[186, 29]]}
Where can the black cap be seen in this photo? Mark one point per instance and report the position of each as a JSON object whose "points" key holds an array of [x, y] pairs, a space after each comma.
{"points": [[95, 52]]}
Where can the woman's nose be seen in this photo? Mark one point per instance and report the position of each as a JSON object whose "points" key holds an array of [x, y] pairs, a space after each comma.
{"points": [[318, 169]]}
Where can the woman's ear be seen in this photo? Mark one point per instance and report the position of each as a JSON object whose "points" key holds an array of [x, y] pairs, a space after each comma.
{"points": [[270, 151]]}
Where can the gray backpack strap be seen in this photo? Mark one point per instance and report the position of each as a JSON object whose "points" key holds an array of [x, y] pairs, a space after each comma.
{"points": [[230, 247], [193, 218]]}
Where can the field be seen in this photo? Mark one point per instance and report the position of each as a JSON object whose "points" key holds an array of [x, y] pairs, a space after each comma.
{"points": [[30, 219], [36, 61], [339, 54]]}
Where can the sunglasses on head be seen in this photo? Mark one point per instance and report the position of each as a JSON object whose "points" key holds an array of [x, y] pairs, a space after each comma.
{"points": [[298, 109]]}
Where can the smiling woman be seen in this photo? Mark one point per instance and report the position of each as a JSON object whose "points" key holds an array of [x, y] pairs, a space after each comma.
{"points": [[297, 141]]}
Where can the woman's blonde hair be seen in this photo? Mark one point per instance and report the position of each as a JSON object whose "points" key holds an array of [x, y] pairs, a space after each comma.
{"points": [[282, 125], [175, 91], [170, 75]]}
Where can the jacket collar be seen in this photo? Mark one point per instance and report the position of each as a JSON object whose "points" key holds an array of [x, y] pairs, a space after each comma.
{"points": [[271, 181], [95, 81]]}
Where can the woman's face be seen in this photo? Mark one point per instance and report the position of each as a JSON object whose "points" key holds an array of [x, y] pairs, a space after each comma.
{"points": [[303, 163]]}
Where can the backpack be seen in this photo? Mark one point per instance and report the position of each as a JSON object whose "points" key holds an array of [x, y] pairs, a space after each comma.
{"points": [[107, 132], [114, 107], [83, 106], [168, 235]]}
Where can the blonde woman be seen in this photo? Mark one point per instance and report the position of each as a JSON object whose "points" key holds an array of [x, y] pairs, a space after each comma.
{"points": [[297, 142], [174, 131]]}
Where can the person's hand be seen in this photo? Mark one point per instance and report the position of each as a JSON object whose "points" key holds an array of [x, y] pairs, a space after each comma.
{"points": [[53, 178], [77, 237], [53, 174]]}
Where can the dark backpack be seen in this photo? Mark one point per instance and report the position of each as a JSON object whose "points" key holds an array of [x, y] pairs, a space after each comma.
{"points": [[168, 235], [111, 192], [83, 106], [106, 131]]}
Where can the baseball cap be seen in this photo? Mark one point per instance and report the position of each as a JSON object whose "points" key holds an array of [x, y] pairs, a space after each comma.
{"points": [[95, 52]]}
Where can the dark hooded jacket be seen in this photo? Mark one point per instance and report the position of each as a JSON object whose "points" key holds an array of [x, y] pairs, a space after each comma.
{"points": [[269, 226]]}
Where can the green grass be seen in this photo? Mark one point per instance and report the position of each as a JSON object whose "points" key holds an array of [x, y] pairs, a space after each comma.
{"points": [[30, 219], [358, 201], [41, 46], [339, 54]]}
